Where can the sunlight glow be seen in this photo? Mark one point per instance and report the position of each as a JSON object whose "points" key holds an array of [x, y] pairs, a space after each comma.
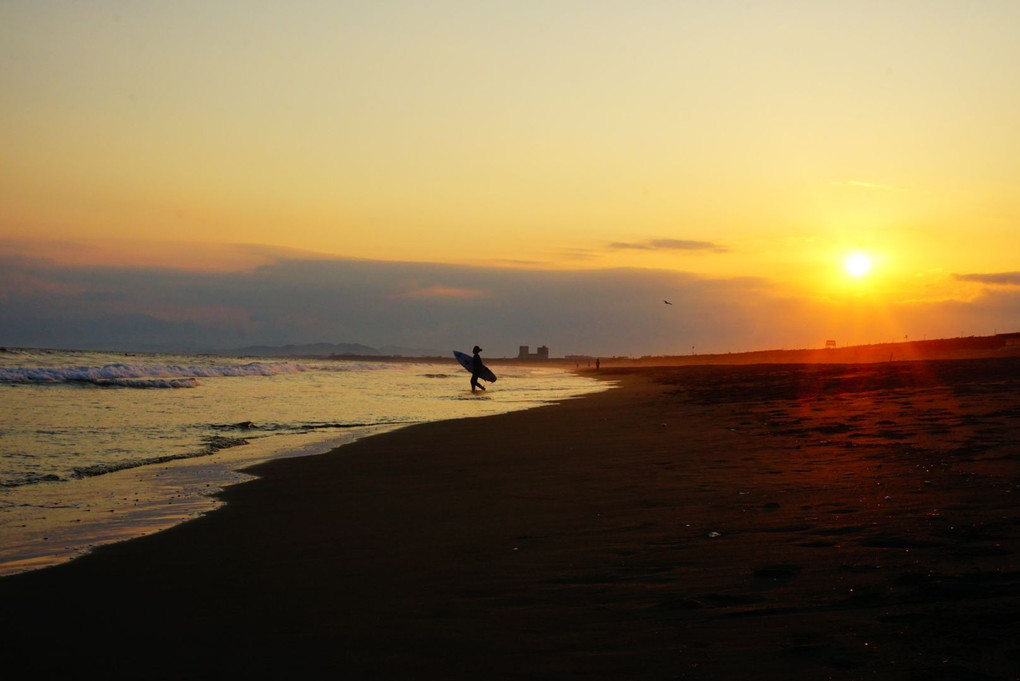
{"points": [[857, 264]]}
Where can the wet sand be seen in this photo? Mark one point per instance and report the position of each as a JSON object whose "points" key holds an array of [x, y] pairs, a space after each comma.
{"points": [[724, 522]]}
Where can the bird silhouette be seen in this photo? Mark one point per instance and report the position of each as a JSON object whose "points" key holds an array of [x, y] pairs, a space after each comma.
{"points": [[667, 302]]}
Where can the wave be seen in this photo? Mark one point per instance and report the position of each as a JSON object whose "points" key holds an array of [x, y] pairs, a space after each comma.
{"points": [[30, 479], [305, 427], [142, 383], [213, 444], [346, 365], [143, 375]]}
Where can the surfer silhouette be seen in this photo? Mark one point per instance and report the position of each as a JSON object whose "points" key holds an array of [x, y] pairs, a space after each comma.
{"points": [[476, 369]]}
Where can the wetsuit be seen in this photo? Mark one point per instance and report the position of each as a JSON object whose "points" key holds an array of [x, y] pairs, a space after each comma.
{"points": [[476, 369]]}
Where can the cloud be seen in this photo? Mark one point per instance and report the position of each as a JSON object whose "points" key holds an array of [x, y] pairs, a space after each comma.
{"points": [[441, 291], [993, 279], [669, 245], [138, 253], [442, 307], [376, 303]]}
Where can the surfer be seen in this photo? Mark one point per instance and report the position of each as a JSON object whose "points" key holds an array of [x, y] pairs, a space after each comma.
{"points": [[476, 369]]}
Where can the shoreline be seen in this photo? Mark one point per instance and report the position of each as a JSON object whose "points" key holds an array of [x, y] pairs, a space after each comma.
{"points": [[137, 501], [775, 522], [60, 518]]}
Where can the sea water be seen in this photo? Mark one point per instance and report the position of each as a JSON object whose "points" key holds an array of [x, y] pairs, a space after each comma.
{"points": [[101, 447]]}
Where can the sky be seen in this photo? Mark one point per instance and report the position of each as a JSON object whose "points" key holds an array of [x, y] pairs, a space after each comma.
{"points": [[207, 175]]}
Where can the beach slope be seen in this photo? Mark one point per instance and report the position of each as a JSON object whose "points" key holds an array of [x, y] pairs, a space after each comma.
{"points": [[767, 522]]}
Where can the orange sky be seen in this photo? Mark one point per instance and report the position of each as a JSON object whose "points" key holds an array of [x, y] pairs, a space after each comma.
{"points": [[752, 139]]}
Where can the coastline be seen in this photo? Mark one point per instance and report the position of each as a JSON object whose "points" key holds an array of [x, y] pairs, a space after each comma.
{"points": [[47, 526], [775, 522], [136, 463]]}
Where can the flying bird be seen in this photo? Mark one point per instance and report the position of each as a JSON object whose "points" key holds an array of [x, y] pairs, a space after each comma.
{"points": [[667, 302]]}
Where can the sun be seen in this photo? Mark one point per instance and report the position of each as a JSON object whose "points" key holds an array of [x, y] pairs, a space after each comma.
{"points": [[857, 265]]}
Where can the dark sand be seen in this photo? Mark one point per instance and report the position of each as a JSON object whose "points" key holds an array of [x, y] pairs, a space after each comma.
{"points": [[756, 522]]}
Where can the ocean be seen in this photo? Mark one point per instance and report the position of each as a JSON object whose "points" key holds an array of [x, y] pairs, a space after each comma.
{"points": [[101, 447]]}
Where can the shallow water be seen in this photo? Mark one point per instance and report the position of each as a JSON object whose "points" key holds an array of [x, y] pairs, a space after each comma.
{"points": [[98, 447]]}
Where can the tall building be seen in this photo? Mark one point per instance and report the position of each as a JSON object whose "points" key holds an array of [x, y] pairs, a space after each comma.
{"points": [[525, 353]]}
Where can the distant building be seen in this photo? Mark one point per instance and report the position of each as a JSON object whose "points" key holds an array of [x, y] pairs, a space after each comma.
{"points": [[524, 353], [830, 343]]}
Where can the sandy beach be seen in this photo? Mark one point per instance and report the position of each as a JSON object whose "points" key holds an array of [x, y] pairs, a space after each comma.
{"points": [[728, 522]]}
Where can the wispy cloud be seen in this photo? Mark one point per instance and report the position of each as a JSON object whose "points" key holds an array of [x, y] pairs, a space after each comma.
{"points": [[668, 245], [440, 291], [994, 279]]}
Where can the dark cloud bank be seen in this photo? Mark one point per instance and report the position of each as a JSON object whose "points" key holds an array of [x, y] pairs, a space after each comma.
{"points": [[432, 307], [669, 245], [997, 279]]}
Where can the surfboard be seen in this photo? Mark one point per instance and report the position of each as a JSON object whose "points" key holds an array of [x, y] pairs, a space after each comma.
{"points": [[465, 361]]}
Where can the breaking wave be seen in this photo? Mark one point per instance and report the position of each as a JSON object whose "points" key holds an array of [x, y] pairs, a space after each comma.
{"points": [[143, 375]]}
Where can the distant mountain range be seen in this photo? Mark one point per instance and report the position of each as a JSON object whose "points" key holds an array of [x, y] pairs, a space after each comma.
{"points": [[327, 349]]}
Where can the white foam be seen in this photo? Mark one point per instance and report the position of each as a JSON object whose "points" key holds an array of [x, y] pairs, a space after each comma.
{"points": [[144, 375]]}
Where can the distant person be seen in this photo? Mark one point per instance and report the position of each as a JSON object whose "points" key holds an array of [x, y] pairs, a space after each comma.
{"points": [[598, 363], [476, 369]]}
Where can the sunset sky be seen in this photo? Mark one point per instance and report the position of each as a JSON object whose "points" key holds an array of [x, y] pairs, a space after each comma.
{"points": [[439, 174]]}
